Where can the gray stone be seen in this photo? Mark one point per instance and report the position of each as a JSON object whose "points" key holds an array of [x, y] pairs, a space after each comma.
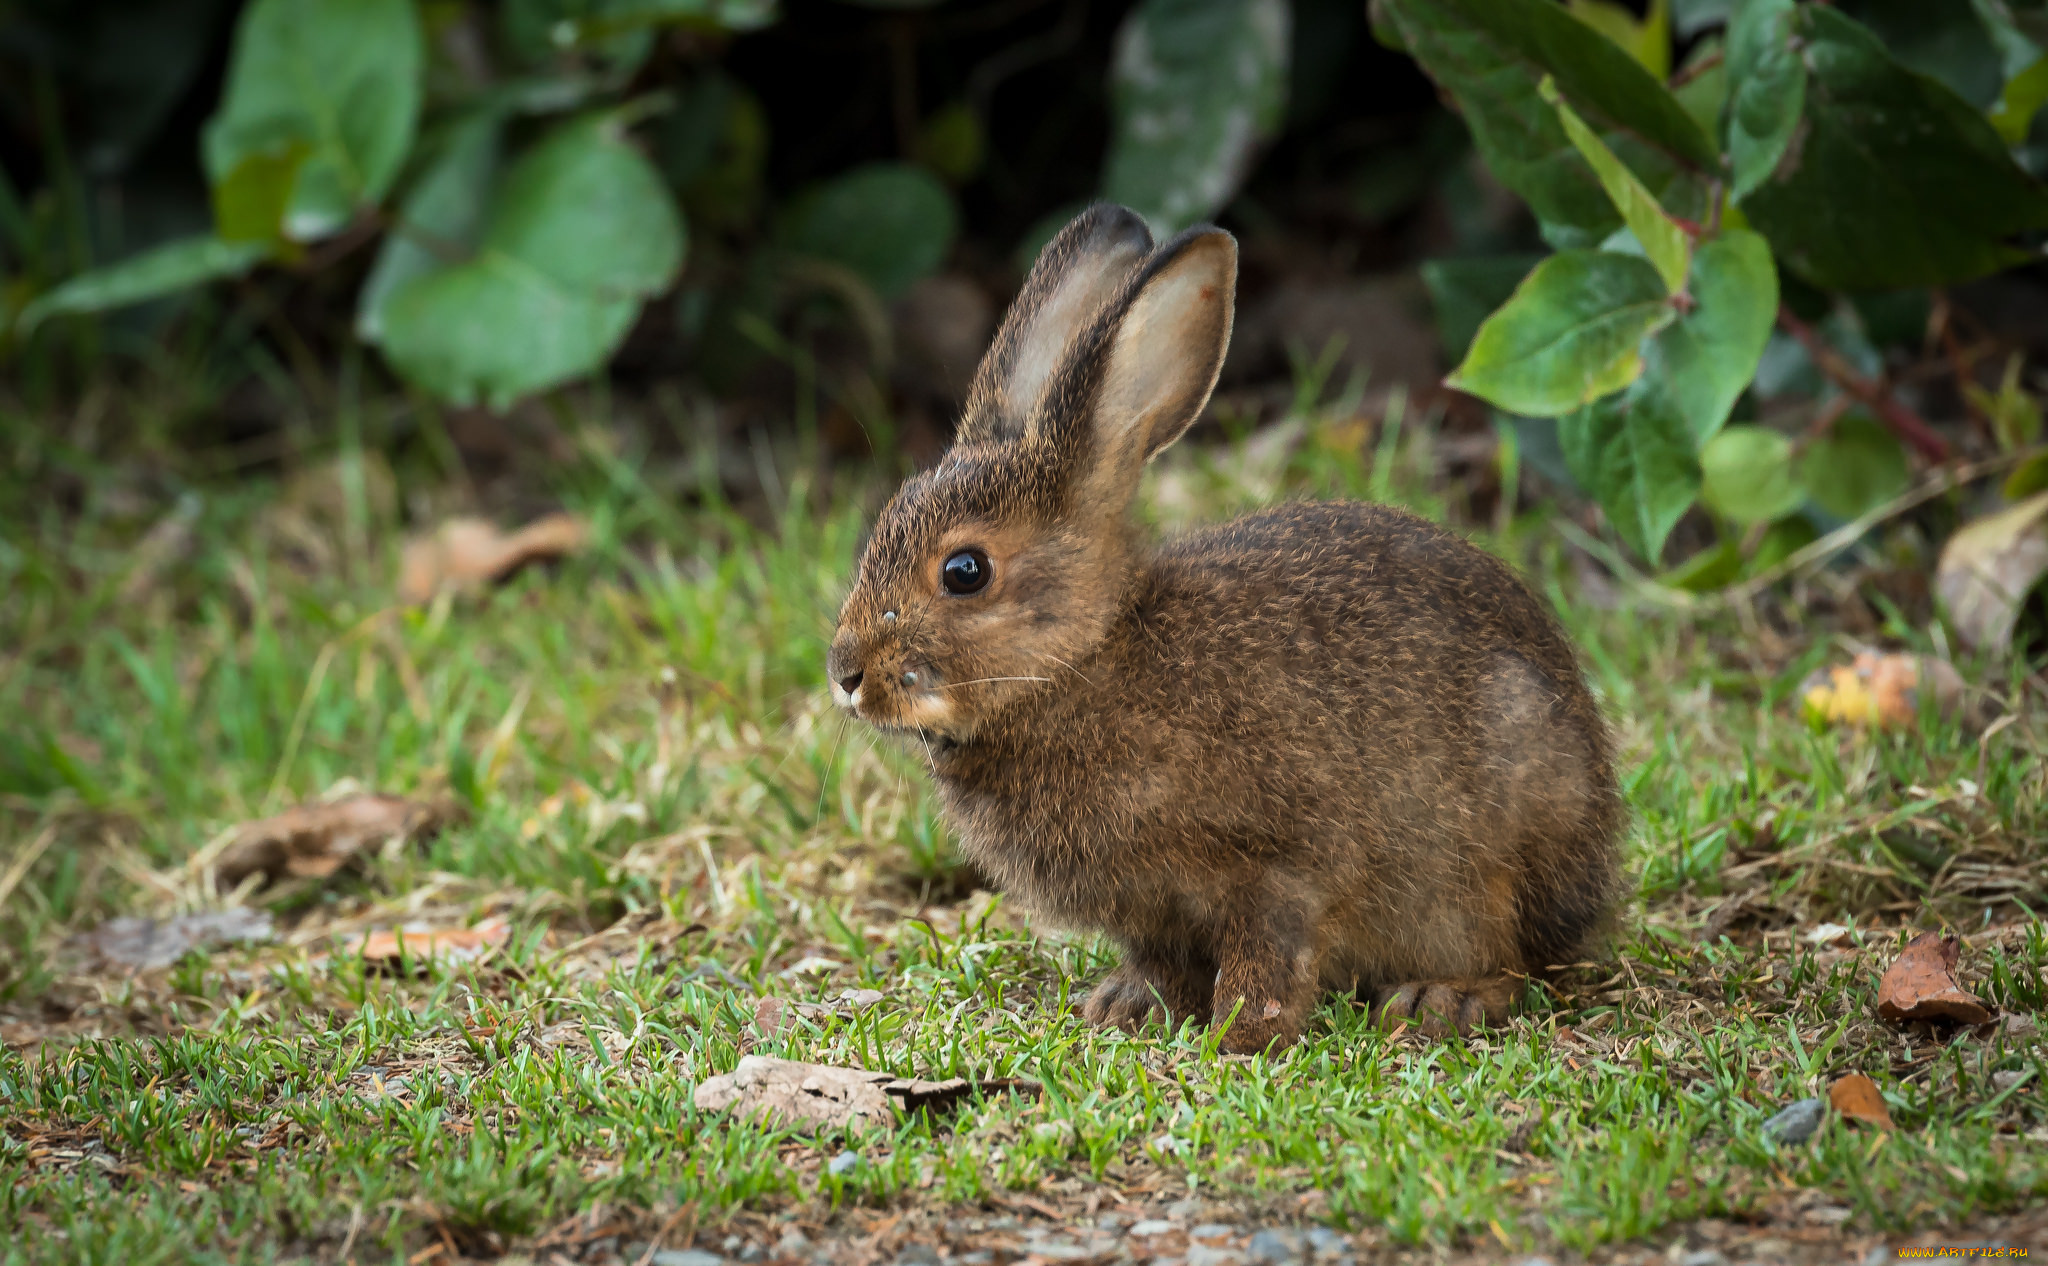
{"points": [[844, 1163], [1212, 1231], [1534, 1261], [1185, 1209], [1324, 1242], [1704, 1257], [1203, 1255], [1274, 1247], [1151, 1226], [684, 1257], [918, 1255], [1796, 1122]]}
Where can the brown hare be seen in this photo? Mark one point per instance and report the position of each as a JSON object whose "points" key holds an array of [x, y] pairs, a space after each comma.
{"points": [[1324, 746]]}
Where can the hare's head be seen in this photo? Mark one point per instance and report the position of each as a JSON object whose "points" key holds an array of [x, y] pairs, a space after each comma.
{"points": [[992, 573]]}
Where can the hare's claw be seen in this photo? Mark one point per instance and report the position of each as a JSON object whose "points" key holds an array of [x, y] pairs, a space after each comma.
{"points": [[1437, 1007], [1130, 997]]}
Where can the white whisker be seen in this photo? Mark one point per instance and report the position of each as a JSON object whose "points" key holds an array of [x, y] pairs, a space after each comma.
{"points": [[979, 680], [1070, 668]]}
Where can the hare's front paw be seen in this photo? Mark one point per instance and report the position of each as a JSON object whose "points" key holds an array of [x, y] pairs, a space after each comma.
{"points": [[1133, 996], [1437, 1007]]}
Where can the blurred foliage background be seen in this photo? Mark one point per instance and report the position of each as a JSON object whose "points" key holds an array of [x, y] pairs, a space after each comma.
{"points": [[747, 220]]}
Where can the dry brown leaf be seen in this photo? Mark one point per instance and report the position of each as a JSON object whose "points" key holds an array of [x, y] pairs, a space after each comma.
{"points": [[312, 841], [1881, 691], [1987, 569], [388, 947], [143, 944], [1921, 984], [467, 553], [1855, 1096], [770, 1016], [787, 1092], [821, 1096]]}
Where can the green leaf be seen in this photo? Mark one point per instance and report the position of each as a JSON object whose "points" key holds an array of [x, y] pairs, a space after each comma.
{"points": [[438, 220], [160, 271], [1766, 90], [1705, 90], [1197, 85], [1711, 352], [2015, 416], [891, 223], [1663, 242], [1888, 179], [1466, 291], [1855, 468], [2028, 478], [495, 331], [2024, 95], [1781, 541], [1489, 55], [1746, 475], [1647, 39], [1710, 569], [1634, 453], [1571, 333], [250, 205], [342, 78], [576, 234]]}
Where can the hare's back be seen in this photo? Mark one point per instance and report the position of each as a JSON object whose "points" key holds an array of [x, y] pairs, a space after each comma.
{"points": [[1353, 579]]}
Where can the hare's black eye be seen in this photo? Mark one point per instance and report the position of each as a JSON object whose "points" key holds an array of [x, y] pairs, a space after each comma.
{"points": [[966, 572]]}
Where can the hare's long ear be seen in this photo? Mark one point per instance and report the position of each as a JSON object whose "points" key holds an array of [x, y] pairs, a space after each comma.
{"points": [[1085, 265], [1157, 362]]}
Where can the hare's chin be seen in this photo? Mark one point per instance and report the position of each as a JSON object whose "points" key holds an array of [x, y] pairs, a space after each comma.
{"points": [[917, 712]]}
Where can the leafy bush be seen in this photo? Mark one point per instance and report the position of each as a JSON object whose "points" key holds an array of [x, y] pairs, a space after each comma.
{"points": [[523, 229], [1798, 143]]}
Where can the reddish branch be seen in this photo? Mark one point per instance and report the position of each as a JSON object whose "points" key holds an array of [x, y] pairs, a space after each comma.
{"points": [[1909, 426]]}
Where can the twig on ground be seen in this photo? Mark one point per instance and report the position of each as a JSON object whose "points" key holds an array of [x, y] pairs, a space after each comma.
{"points": [[1942, 480]]}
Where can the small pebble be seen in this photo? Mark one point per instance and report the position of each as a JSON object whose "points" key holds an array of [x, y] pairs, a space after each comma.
{"points": [[1535, 1261], [1796, 1122], [1274, 1247], [1704, 1257], [1203, 1255], [1324, 1242], [1212, 1231], [1151, 1226], [918, 1255], [841, 1165]]}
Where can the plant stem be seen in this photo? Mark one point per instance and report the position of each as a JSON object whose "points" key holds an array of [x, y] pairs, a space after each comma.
{"points": [[1904, 422]]}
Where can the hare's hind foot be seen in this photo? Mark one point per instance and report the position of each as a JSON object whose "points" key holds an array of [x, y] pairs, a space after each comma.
{"points": [[1437, 1007], [1143, 991]]}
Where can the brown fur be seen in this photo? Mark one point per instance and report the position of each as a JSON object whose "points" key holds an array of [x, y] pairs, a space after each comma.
{"points": [[1323, 746]]}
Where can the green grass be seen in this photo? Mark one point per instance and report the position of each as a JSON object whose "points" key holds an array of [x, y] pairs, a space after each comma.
{"points": [[642, 742]]}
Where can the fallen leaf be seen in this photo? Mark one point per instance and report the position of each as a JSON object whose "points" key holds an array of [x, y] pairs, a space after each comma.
{"points": [[1987, 569], [770, 1016], [1921, 984], [1855, 1096], [313, 841], [388, 947], [821, 1096], [143, 943], [787, 1092], [468, 553], [1880, 691]]}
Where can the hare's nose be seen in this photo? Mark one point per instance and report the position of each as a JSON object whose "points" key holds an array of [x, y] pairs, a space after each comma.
{"points": [[851, 682]]}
